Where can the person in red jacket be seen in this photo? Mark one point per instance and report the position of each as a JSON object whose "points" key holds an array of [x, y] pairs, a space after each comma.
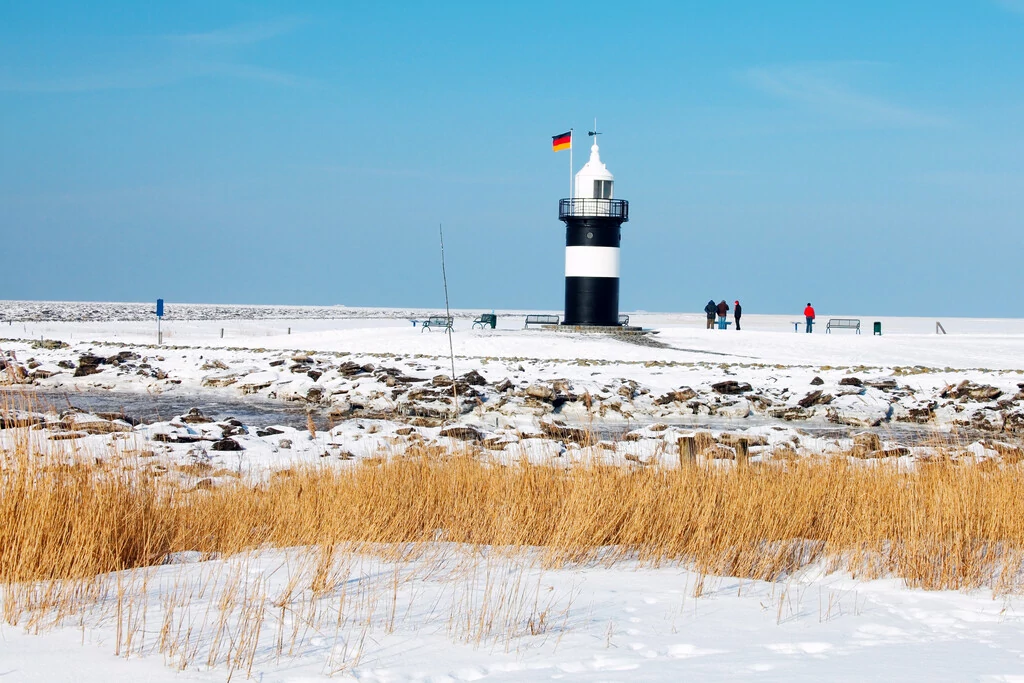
{"points": [[809, 314]]}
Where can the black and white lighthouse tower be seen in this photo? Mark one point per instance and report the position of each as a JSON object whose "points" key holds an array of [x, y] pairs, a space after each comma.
{"points": [[593, 218]]}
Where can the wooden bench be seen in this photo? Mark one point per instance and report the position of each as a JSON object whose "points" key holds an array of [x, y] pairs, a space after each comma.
{"points": [[623, 319], [540, 319], [486, 319], [437, 321], [842, 324]]}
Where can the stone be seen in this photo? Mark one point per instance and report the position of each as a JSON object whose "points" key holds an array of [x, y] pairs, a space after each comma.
{"points": [[226, 444], [195, 416], [731, 387], [285, 444], [66, 364], [462, 432], [851, 382], [269, 431], [968, 389], [563, 433], [49, 344], [817, 381], [814, 398], [540, 391], [88, 364], [473, 378], [317, 374], [867, 441], [883, 384], [503, 386]]}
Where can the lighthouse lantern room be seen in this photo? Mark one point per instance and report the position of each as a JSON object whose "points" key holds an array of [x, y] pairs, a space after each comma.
{"points": [[593, 218]]}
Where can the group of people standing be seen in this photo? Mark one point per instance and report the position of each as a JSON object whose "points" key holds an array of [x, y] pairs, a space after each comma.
{"points": [[721, 311]]}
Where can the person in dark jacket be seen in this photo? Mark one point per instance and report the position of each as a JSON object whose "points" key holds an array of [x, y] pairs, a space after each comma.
{"points": [[723, 309], [710, 310], [737, 311], [809, 315]]}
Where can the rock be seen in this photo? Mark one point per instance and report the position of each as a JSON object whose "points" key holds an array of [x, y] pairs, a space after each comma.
{"points": [[49, 344], [815, 398], [176, 438], [681, 395], [195, 416], [503, 386], [348, 369], [88, 364], [730, 439], [788, 413], [731, 387], [226, 444], [737, 409], [269, 431], [474, 378], [563, 433], [216, 365], [462, 432], [968, 389], [883, 384], [817, 381], [540, 391], [285, 444], [851, 382], [317, 374], [867, 441], [233, 428], [219, 382], [1014, 423], [65, 436], [66, 364]]}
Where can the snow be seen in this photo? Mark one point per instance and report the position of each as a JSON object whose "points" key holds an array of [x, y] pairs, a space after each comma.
{"points": [[439, 618], [419, 620]]}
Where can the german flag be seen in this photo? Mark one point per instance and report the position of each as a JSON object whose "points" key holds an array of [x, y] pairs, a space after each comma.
{"points": [[560, 142]]}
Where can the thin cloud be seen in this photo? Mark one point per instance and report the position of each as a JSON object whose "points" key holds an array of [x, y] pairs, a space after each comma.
{"points": [[822, 87], [1015, 6], [174, 59], [240, 34], [153, 76]]}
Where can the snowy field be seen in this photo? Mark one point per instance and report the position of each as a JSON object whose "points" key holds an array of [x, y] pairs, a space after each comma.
{"points": [[443, 621], [372, 383]]}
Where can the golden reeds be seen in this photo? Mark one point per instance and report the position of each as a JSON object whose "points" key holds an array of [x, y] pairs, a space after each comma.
{"points": [[939, 525]]}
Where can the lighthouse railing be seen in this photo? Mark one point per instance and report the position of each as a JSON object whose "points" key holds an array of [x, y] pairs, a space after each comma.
{"points": [[581, 207]]}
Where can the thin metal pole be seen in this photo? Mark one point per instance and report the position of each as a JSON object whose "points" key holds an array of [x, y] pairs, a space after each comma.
{"points": [[571, 192], [448, 315]]}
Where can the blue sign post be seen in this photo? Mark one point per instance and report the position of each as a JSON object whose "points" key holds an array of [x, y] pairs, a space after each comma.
{"points": [[159, 317]]}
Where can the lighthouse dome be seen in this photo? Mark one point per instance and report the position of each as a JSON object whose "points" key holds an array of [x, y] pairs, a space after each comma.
{"points": [[594, 181]]}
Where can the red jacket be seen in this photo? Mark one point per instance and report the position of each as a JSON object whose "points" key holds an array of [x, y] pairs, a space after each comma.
{"points": [[809, 312]]}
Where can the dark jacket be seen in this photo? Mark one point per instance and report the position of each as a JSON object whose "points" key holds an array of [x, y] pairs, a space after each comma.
{"points": [[723, 308], [737, 311], [710, 308]]}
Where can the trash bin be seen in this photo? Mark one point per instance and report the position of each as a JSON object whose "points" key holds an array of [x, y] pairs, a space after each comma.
{"points": [[878, 329]]}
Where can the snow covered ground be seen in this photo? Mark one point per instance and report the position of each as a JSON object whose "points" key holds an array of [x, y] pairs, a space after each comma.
{"points": [[372, 383], [457, 616]]}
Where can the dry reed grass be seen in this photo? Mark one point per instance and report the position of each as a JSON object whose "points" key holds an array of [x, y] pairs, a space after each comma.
{"points": [[940, 525]]}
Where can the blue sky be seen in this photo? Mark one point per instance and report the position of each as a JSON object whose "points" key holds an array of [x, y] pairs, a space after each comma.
{"points": [[867, 157]]}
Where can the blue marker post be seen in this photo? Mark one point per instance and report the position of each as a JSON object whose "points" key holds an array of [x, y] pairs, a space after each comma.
{"points": [[159, 317]]}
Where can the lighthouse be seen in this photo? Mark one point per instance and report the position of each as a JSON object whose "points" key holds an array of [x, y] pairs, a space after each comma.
{"points": [[593, 219]]}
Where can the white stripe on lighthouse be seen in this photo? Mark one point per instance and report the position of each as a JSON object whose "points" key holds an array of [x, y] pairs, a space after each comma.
{"points": [[591, 261]]}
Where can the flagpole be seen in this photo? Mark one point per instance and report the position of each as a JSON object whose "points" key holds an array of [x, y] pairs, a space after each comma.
{"points": [[571, 193]]}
